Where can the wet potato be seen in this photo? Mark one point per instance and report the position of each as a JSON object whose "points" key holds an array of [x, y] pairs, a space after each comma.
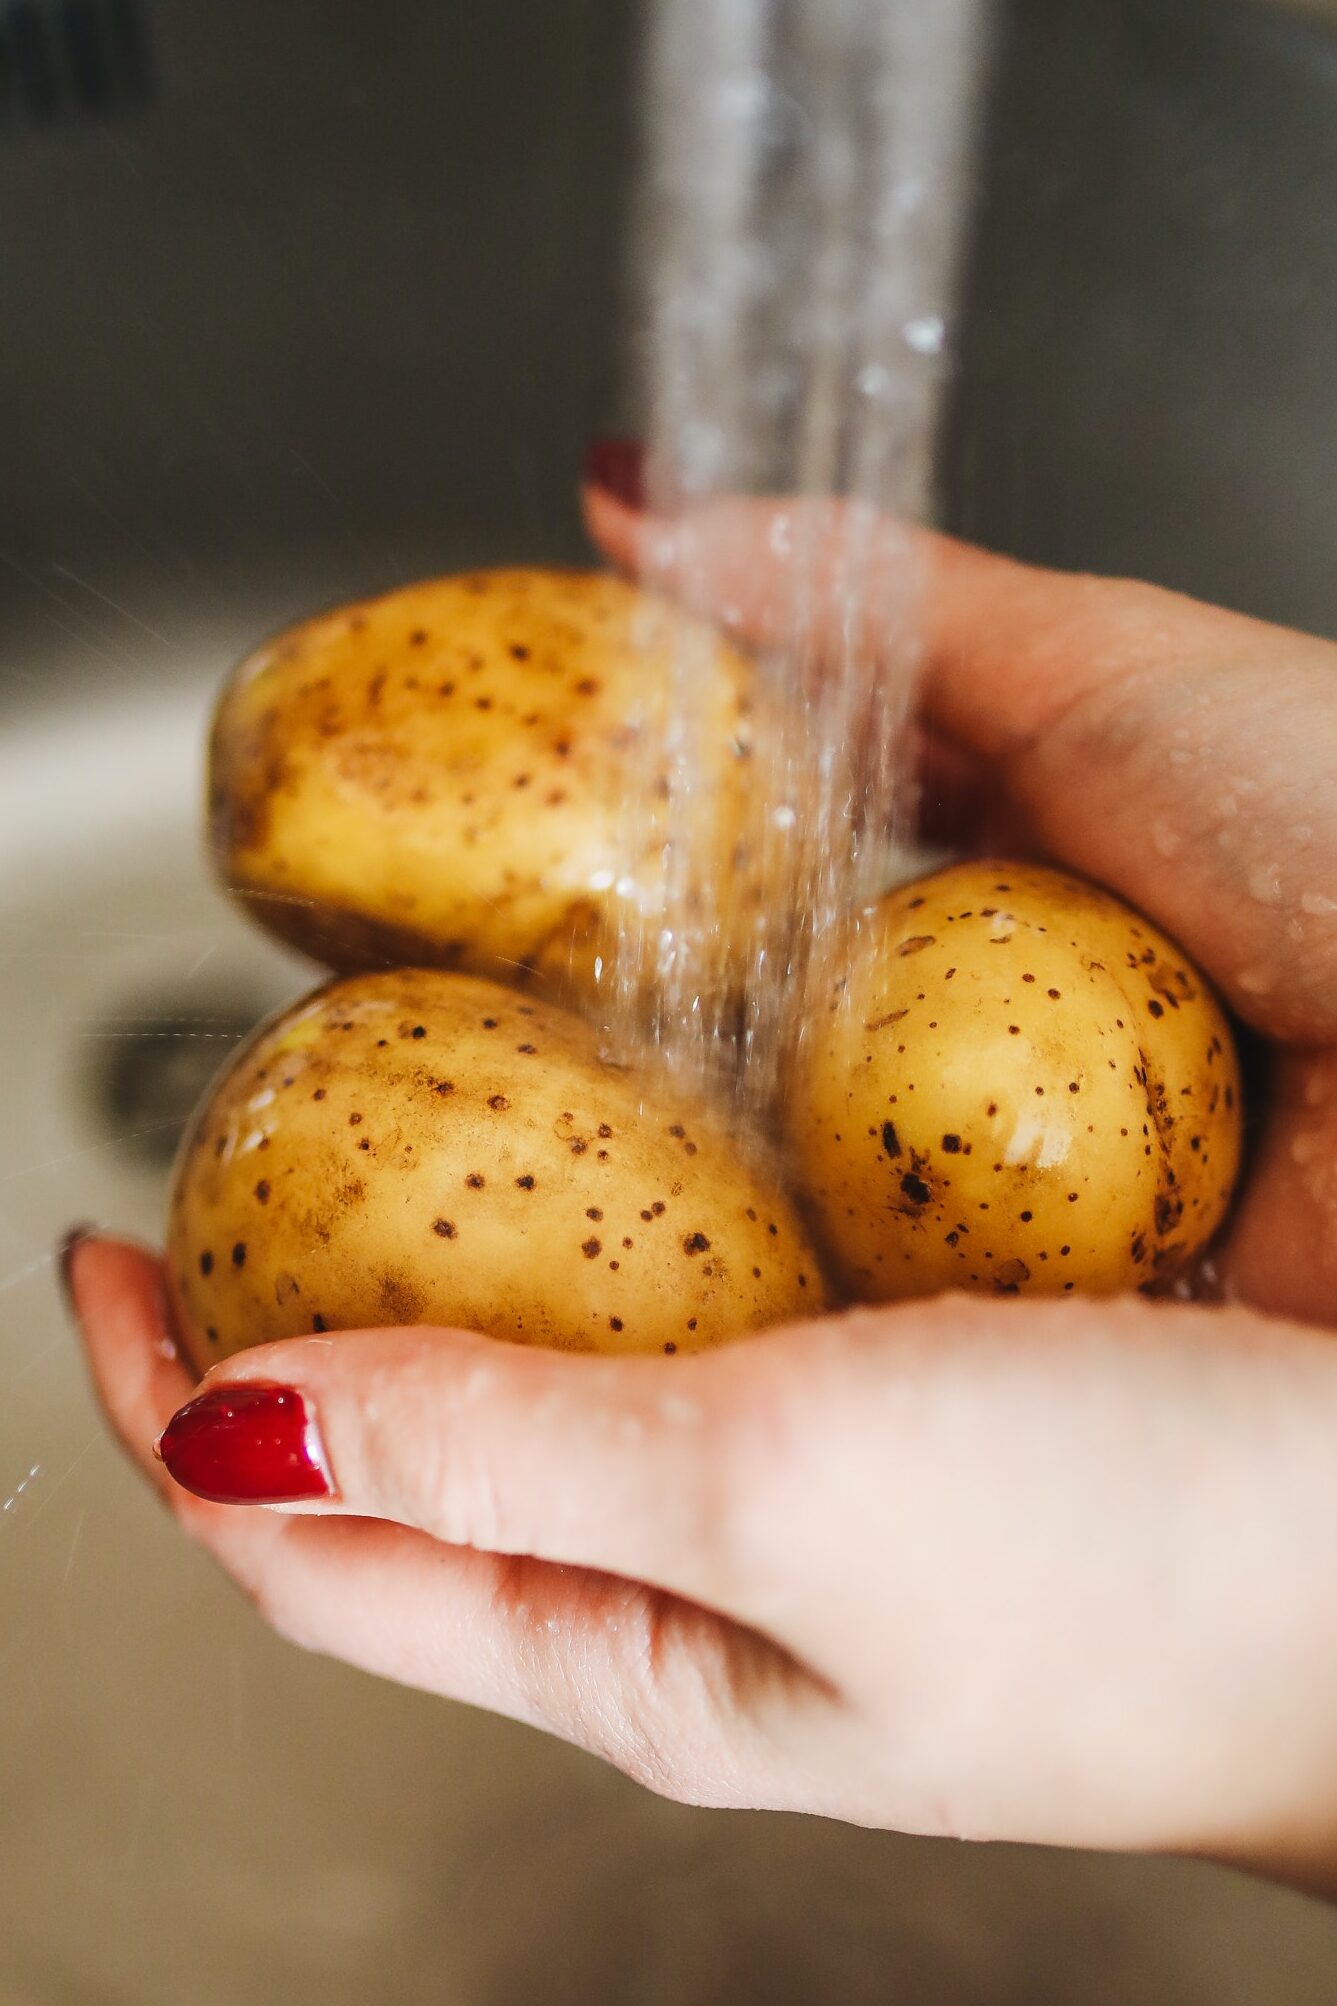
{"points": [[427, 1147], [1018, 1085], [441, 776]]}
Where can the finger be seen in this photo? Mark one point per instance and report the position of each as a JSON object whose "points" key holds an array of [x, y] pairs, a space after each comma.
{"points": [[138, 1377], [1178, 752], [631, 1466], [1281, 1253], [121, 1305], [684, 1702]]}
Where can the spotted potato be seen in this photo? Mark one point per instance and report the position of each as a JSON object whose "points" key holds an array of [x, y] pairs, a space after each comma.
{"points": [[441, 777], [427, 1147], [1017, 1084]]}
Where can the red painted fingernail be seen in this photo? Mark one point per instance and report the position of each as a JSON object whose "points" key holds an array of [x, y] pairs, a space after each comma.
{"points": [[617, 467], [247, 1444], [66, 1250]]}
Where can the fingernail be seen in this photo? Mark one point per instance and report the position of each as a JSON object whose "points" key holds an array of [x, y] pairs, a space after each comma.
{"points": [[617, 468], [66, 1250], [247, 1444]]}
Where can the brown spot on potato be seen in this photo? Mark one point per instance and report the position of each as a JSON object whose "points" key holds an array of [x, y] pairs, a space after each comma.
{"points": [[444, 1228], [262, 1191], [498, 1103], [915, 1189], [239, 1254], [891, 1142], [206, 1262], [695, 1243], [591, 1248], [916, 943]]}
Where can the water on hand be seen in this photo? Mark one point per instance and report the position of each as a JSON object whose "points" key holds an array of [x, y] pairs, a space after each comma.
{"points": [[803, 190]]}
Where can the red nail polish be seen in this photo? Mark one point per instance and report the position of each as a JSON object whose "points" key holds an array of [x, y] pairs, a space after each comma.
{"points": [[247, 1444], [617, 467]]}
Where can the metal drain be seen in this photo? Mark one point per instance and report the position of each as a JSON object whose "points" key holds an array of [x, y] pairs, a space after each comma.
{"points": [[145, 1071]]}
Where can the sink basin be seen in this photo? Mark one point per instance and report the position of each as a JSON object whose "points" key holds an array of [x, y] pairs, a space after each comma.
{"points": [[278, 330]]}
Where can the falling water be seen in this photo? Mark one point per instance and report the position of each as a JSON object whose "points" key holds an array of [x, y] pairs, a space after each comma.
{"points": [[804, 188]]}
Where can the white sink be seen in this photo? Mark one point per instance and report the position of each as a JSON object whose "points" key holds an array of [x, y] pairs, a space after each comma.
{"points": [[191, 1810]]}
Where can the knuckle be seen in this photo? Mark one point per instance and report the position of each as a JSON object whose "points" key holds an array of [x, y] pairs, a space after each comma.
{"points": [[664, 1728], [441, 1484]]}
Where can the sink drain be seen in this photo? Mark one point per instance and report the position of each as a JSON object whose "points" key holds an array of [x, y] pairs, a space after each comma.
{"points": [[146, 1070]]}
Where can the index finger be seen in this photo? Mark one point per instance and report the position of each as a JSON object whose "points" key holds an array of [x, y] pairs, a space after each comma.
{"points": [[1184, 755]]}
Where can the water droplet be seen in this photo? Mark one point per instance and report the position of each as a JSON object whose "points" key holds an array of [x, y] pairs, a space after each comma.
{"points": [[1317, 904], [1264, 881], [926, 334]]}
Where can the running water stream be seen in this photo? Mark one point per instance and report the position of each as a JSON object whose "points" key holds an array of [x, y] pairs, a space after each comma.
{"points": [[804, 188]]}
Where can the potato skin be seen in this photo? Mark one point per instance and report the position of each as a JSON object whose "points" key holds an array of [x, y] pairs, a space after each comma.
{"points": [[1018, 1085], [441, 776], [426, 1147]]}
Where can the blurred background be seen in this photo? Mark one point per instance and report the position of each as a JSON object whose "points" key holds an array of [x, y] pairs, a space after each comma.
{"points": [[298, 302]]}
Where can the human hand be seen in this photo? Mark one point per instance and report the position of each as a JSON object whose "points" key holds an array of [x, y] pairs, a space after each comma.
{"points": [[1042, 1571]]}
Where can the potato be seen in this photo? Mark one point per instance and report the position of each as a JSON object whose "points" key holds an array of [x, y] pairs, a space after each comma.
{"points": [[455, 776], [1018, 1085], [421, 1146]]}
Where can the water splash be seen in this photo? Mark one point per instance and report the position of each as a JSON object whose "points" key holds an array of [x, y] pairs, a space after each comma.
{"points": [[804, 189]]}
